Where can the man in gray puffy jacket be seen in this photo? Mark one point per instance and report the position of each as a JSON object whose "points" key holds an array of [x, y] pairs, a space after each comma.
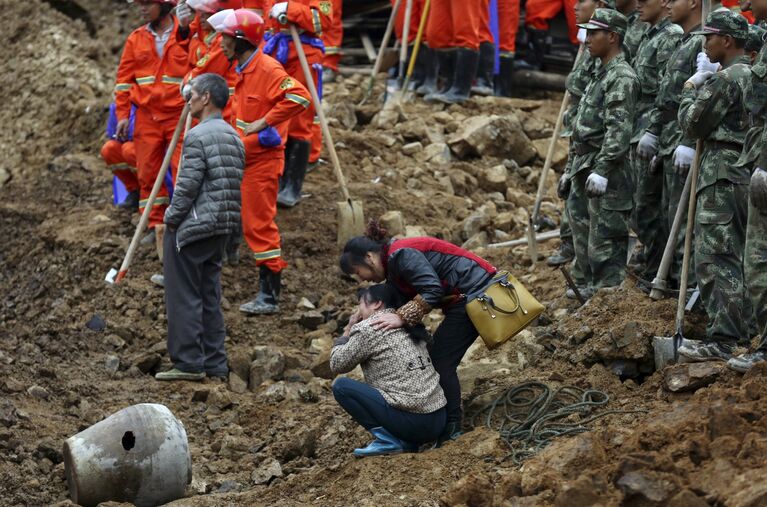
{"points": [[205, 209]]}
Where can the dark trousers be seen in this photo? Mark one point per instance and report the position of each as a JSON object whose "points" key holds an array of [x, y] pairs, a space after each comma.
{"points": [[369, 408], [451, 340], [193, 304]]}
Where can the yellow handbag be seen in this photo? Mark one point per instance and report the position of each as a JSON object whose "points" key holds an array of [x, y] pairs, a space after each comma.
{"points": [[502, 309]]}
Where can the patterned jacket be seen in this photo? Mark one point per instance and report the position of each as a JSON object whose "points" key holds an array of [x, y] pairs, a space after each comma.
{"points": [[755, 146], [393, 363], [633, 35]]}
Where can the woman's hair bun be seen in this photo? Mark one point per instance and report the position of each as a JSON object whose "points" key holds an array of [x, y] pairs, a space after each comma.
{"points": [[375, 232]]}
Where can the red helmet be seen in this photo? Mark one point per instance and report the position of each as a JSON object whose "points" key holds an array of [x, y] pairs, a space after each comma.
{"points": [[171, 2], [240, 23], [213, 6]]}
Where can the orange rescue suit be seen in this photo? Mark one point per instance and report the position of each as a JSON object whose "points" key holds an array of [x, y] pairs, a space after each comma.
{"points": [[120, 158], [216, 62], [333, 36], [264, 90], [454, 23], [151, 81], [538, 13]]}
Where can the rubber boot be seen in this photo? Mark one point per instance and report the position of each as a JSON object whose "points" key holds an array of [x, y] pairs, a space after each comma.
{"points": [[385, 443], [288, 150], [268, 299], [419, 70], [504, 76], [130, 202], [466, 62], [295, 171], [430, 70], [536, 48], [484, 82], [446, 72]]}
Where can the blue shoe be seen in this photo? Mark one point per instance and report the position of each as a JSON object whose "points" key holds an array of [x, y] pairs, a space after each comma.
{"points": [[384, 444]]}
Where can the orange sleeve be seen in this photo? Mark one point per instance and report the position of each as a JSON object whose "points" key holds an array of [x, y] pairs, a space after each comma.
{"points": [[290, 97], [126, 80], [214, 61], [306, 16]]}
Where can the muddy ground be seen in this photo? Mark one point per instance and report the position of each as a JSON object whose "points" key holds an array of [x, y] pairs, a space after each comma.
{"points": [[274, 435]]}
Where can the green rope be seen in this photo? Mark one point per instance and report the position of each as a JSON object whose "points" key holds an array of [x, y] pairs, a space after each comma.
{"points": [[529, 415]]}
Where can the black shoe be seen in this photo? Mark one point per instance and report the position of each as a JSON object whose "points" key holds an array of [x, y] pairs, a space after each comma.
{"points": [[451, 432], [445, 72], [429, 66], [745, 362], [466, 62], [505, 73], [268, 299], [484, 83], [565, 254], [130, 202], [698, 351], [296, 162]]}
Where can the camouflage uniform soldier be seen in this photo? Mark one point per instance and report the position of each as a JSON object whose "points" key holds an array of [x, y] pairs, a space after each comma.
{"points": [[576, 83], [658, 43], [675, 149], [712, 110], [599, 200], [635, 30], [754, 155]]}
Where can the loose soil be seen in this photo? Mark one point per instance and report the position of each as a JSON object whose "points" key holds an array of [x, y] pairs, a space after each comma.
{"points": [[61, 235]]}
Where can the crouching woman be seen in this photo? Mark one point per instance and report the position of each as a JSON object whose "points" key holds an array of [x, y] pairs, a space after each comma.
{"points": [[401, 402]]}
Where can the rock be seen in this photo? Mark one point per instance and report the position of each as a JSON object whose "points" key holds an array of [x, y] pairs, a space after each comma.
{"points": [[519, 199], [266, 472], [96, 323], [146, 362], [387, 118], [646, 488], [321, 345], [442, 117], [5, 176], [305, 305], [199, 486], [582, 334], [437, 153], [219, 398], [687, 498], [13, 386], [229, 487], [268, 364], [690, 376], [50, 449], [38, 392], [311, 320], [344, 112], [393, 222], [239, 363], [8, 416], [415, 231], [200, 395], [494, 179], [470, 490], [559, 159], [479, 240], [112, 363], [115, 341], [495, 136], [464, 184], [504, 221], [321, 366], [237, 384], [412, 148]]}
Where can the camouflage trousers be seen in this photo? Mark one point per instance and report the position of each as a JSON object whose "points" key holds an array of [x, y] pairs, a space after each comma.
{"points": [[720, 236], [756, 267], [648, 217], [673, 185], [600, 237]]}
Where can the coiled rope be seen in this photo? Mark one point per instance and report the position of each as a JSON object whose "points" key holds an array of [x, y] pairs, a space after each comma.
{"points": [[529, 415]]}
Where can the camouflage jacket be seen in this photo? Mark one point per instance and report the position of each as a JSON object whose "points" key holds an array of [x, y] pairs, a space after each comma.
{"points": [[633, 35], [658, 44], [602, 129], [663, 116], [716, 115], [755, 146], [576, 83]]}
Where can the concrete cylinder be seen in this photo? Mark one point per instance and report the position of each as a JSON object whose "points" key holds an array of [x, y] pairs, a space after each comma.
{"points": [[139, 455]]}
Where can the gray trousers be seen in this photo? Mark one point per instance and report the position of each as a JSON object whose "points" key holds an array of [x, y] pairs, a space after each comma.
{"points": [[196, 329]]}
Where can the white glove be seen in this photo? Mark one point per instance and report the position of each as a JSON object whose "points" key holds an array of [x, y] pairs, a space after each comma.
{"points": [[648, 146], [699, 78], [758, 189], [682, 159], [596, 185], [278, 9], [582, 35], [186, 91], [184, 15], [706, 65]]}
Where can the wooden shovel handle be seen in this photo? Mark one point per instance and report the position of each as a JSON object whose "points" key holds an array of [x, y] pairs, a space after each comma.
{"points": [[694, 171]]}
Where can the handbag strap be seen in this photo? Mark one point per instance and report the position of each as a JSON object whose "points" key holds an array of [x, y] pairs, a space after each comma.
{"points": [[512, 292]]}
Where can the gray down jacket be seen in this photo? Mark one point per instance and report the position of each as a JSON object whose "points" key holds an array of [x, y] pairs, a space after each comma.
{"points": [[206, 198]]}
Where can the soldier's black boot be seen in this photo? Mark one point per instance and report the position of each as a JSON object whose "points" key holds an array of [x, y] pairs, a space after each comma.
{"points": [[268, 299], [466, 62], [504, 75], [295, 171], [484, 82], [429, 66], [446, 72]]}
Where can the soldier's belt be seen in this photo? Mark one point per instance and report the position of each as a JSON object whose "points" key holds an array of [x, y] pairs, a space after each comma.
{"points": [[583, 148], [722, 145]]}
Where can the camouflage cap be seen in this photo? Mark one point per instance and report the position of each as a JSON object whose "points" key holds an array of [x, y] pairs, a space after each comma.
{"points": [[755, 39], [609, 4], [725, 22], [607, 19]]}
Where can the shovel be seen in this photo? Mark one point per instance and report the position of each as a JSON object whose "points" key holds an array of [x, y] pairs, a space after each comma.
{"points": [[381, 51], [351, 220], [416, 48], [666, 348], [114, 276]]}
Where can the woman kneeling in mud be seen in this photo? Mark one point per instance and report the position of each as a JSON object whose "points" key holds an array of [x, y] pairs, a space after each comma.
{"points": [[401, 402]]}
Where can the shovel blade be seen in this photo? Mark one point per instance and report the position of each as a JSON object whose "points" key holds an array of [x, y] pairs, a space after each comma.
{"points": [[664, 351], [351, 221]]}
